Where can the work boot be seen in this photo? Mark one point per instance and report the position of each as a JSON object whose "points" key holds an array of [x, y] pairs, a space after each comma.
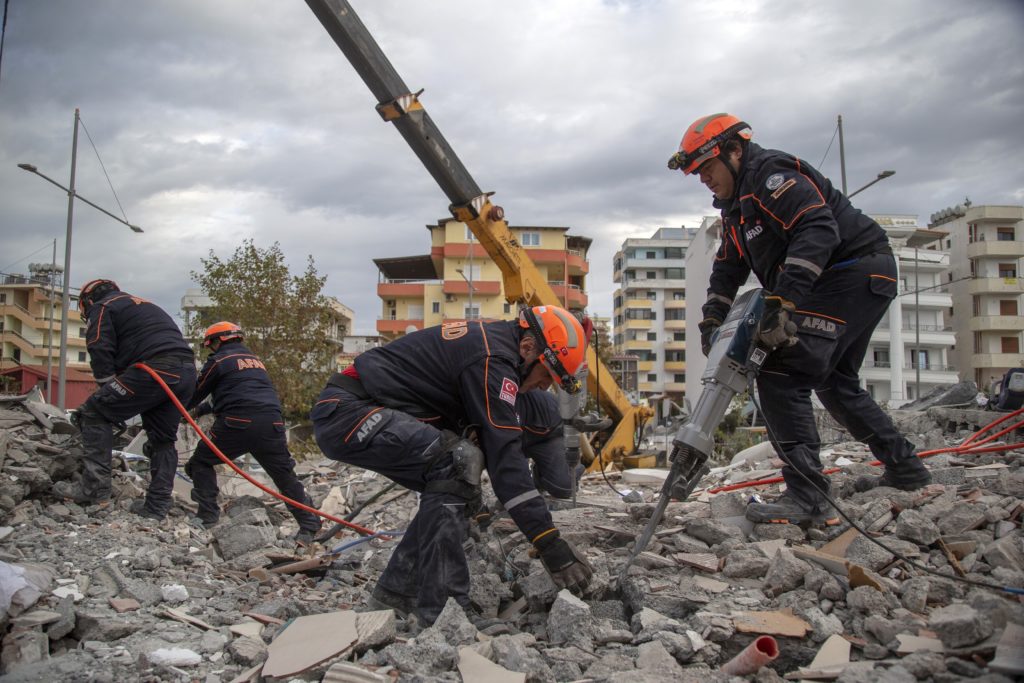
{"points": [[785, 510], [73, 491], [905, 475], [382, 599], [306, 536], [202, 523], [139, 508]]}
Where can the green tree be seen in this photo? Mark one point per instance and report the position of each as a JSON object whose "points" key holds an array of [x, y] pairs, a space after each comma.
{"points": [[285, 317]]}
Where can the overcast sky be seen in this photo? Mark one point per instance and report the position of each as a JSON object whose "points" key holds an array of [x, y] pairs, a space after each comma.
{"points": [[219, 121]]}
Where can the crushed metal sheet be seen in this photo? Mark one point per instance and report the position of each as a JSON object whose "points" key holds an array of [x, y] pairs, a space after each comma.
{"points": [[346, 672]]}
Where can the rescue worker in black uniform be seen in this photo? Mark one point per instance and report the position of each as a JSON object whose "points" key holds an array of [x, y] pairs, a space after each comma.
{"points": [[544, 442], [124, 330], [248, 420], [399, 410], [829, 276]]}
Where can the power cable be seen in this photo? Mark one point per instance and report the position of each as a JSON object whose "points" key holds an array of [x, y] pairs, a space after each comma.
{"points": [[834, 133], [27, 256], [842, 513], [3, 34], [97, 152]]}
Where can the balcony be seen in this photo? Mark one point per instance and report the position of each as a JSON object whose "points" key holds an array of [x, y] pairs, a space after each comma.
{"points": [[930, 298], [395, 289], [634, 324], [986, 323], [675, 304], [572, 258], [638, 345], [572, 295], [397, 326], [675, 324], [989, 213], [676, 387], [995, 285], [675, 366], [1002, 248], [640, 303], [995, 360], [673, 345]]}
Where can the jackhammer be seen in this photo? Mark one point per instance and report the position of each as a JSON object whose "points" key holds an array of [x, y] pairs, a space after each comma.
{"points": [[734, 359]]}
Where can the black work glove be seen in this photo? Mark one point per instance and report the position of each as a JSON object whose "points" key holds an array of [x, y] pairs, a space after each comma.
{"points": [[75, 418], [707, 328], [567, 567], [776, 329]]}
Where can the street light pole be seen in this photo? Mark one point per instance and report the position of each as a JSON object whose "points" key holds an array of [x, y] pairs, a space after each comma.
{"points": [[66, 296], [842, 155], [469, 281], [881, 176]]}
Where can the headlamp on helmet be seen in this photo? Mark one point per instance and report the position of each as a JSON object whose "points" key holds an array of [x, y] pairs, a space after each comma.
{"points": [[563, 343], [704, 140]]}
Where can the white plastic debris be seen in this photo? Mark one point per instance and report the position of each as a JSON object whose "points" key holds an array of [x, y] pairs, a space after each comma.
{"points": [[174, 592], [174, 656], [843, 461], [70, 589]]}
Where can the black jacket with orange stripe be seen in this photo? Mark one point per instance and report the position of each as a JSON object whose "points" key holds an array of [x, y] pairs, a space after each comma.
{"points": [[124, 329], [787, 224], [456, 375], [238, 381]]}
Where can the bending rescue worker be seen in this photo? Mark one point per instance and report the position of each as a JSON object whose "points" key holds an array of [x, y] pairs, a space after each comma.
{"points": [[124, 330], [386, 413], [829, 276], [248, 420]]}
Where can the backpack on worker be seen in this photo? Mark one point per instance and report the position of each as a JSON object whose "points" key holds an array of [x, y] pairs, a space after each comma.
{"points": [[1011, 390]]}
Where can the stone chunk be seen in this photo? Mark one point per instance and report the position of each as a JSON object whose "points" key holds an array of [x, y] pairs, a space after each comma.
{"points": [[1006, 553], [23, 648], [913, 526], [453, 626], [248, 651], [785, 573], [655, 658], [712, 531], [962, 518], [101, 625], [570, 621], [647, 623], [237, 539], [959, 625], [867, 554]]}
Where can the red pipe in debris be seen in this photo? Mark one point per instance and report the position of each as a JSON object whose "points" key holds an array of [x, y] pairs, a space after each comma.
{"points": [[227, 461], [968, 447], [763, 650]]}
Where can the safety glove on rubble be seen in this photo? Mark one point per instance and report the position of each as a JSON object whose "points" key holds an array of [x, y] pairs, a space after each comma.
{"points": [[567, 566]]}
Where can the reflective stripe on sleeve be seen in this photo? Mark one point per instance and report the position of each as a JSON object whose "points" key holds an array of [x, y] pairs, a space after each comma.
{"points": [[522, 498], [803, 263]]}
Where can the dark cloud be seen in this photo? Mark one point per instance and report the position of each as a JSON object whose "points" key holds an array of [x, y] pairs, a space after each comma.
{"points": [[219, 121]]}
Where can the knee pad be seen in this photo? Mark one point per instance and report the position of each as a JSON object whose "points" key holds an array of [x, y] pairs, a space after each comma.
{"points": [[467, 462], [88, 414]]}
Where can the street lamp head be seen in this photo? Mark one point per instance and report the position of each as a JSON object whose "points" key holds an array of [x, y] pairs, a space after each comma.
{"points": [[886, 174], [135, 228], [28, 167]]}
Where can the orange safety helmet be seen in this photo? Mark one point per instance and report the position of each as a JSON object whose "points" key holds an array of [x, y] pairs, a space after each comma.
{"points": [[221, 332], [565, 343], [92, 291], [704, 139]]}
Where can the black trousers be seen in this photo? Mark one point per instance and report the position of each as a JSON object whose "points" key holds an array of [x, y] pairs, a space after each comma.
{"points": [[550, 468], [133, 392], [834, 325], [429, 564], [263, 435]]}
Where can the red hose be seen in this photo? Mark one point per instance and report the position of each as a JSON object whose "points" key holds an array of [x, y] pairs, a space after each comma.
{"points": [[227, 461], [965, 448]]}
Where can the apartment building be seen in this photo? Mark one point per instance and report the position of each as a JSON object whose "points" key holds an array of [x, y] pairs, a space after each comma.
{"points": [[30, 317], [458, 280], [911, 349], [650, 313], [986, 254]]}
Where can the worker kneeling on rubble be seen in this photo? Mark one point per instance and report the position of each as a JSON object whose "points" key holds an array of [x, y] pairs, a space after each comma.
{"points": [[829, 276], [397, 411], [124, 330], [249, 420]]}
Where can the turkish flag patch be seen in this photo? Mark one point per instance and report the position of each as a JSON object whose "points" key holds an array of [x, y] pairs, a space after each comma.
{"points": [[509, 390]]}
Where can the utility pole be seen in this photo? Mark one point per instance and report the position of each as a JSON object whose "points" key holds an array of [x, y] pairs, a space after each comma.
{"points": [[66, 296], [917, 328], [842, 154], [49, 342]]}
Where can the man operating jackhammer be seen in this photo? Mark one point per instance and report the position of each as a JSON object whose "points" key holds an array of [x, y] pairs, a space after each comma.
{"points": [[829, 276], [124, 330], [248, 420], [398, 410]]}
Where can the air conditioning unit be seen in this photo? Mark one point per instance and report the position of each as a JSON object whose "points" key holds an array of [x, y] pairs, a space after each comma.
{"points": [[449, 298]]}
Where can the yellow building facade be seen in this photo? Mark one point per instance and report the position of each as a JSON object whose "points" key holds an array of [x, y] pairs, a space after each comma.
{"points": [[457, 280]]}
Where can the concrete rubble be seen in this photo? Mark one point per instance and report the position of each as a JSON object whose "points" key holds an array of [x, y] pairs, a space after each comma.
{"points": [[98, 594]]}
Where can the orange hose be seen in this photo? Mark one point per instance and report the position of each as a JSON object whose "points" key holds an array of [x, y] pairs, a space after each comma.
{"points": [[227, 461], [965, 448]]}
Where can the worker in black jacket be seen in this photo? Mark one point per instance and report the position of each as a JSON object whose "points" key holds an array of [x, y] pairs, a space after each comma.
{"points": [[124, 330], [829, 276], [248, 420], [399, 411]]}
